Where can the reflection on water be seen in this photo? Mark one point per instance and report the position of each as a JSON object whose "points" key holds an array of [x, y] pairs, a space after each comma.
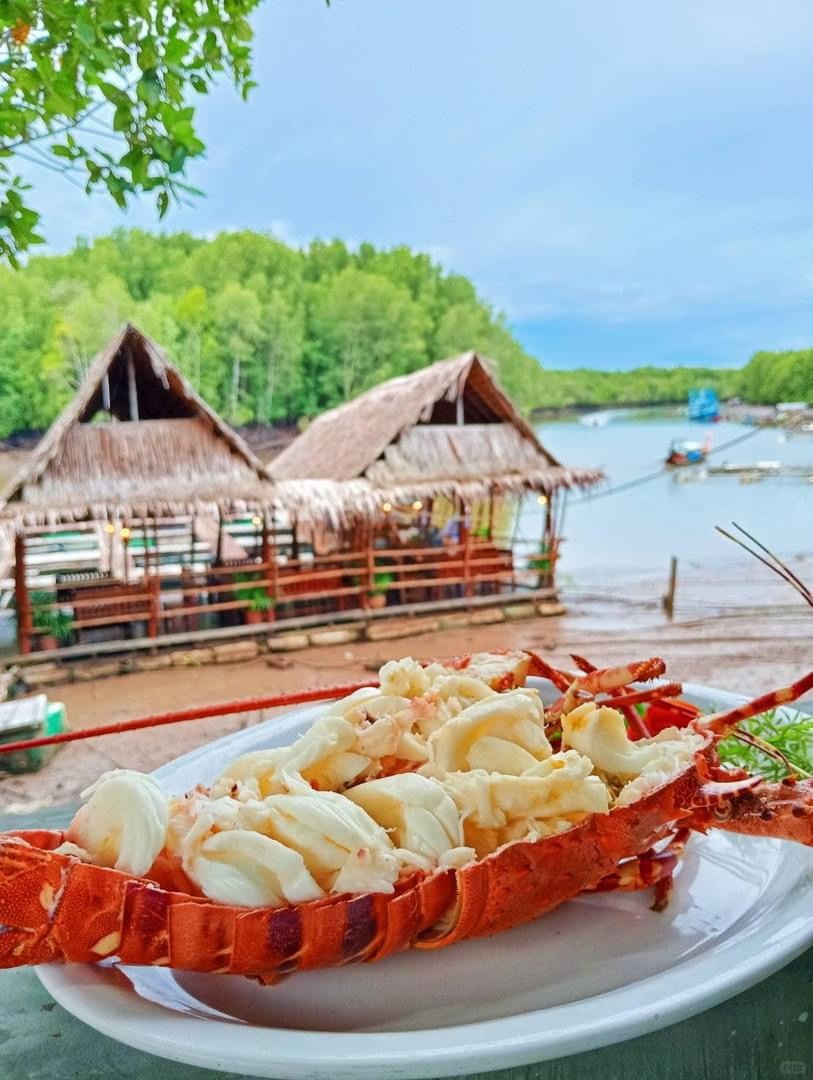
{"points": [[638, 529]]}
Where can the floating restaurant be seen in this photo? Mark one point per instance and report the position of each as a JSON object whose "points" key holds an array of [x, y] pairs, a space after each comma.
{"points": [[141, 514]]}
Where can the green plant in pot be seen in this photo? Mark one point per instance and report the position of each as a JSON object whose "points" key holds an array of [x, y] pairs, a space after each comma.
{"points": [[543, 563], [56, 626], [377, 596], [260, 606]]}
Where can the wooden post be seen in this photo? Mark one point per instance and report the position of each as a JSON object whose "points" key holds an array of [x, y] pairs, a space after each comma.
{"points": [[192, 542], [669, 600], [131, 385], [154, 586], [265, 552], [156, 554], [21, 595], [125, 539], [273, 560], [146, 535], [546, 577], [465, 536], [491, 515], [369, 576], [219, 548]]}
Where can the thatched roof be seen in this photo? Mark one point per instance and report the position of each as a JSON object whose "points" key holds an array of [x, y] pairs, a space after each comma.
{"points": [[447, 429], [174, 456]]}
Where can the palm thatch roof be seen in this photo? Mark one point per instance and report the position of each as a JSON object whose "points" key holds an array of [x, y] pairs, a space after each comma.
{"points": [[135, 441], [447, 429]]}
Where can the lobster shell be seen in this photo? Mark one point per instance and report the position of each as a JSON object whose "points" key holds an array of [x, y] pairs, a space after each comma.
{"points": [[55, 908]]}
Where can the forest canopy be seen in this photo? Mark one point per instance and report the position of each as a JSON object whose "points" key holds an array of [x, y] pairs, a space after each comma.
{"points": [[271, 333]]}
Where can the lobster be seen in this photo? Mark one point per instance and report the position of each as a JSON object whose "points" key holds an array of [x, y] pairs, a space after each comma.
{"points": [[54, 907]]}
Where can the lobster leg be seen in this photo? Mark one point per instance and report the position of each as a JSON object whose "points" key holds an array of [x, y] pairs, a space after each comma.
{"points": [[652, 869], [723, 722], [634, 722], [605, 680], [560, 679]]}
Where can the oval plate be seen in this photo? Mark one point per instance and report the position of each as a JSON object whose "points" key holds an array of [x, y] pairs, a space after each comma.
{"points": [[600, 969]]}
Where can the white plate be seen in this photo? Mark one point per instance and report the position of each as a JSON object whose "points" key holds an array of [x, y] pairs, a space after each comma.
{"points": [[598, 970]]}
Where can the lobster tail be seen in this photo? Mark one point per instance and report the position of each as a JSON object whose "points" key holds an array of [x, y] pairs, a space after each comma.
{"points": [[55, 908]]}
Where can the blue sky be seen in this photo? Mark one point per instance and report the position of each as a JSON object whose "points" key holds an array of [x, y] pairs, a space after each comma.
{"points": [[631, 182]]}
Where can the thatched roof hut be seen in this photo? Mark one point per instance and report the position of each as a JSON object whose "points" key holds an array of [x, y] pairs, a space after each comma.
{"points": [[445, 430], [136, 441]]}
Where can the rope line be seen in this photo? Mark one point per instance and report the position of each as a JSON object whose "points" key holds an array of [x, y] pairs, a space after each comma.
{"points": [[662, 471], [204, 712]]}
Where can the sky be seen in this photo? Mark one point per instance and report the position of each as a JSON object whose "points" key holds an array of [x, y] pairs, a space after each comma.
{"points": [[630, 182]]}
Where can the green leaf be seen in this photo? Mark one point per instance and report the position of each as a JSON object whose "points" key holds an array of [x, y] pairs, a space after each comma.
{"points": [[147, 55], [122, 117], [175, 51], [85, 30], [114, 94], [163, 203], [241, 29], [149, 88], [178, 159], [116, 188]]}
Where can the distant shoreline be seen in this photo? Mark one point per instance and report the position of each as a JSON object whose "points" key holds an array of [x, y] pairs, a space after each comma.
{"points": [[563, 412], [734, 412]]}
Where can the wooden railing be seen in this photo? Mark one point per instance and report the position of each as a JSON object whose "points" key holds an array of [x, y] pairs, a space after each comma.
{"points": [[283, 589]]}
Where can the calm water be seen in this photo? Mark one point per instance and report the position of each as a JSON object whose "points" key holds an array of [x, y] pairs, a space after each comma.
{"points": [[638, 529]]}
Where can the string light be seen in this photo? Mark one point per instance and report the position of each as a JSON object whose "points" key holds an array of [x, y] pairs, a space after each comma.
{"points": [[386, 507], [417, 505], [542, 500], [109, 528], [125, 533], [256, 520]]}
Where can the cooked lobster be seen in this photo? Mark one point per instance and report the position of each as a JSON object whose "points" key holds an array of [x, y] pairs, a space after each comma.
{"points": [[601, 820]]}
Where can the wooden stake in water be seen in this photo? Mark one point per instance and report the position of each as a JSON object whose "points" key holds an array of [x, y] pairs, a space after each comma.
{"points": [[669, 599]]}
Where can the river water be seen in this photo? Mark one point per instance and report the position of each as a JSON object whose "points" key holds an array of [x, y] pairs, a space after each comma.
{"points": [[633, 532]]}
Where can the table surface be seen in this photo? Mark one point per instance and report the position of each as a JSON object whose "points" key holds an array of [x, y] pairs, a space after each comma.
{"points": [[765, 1032]]}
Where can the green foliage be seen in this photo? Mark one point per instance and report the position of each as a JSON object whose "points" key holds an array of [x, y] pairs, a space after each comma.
{"points": [[793, 737], [99, 91], [256, 596], [769, 377], [271, 333], [638, 386], [265, 332], [56, 624], [381, 583]]}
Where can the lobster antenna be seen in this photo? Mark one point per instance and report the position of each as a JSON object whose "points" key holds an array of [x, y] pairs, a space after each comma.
{"points": [[769, 750], [773, 562], [775, 558]]}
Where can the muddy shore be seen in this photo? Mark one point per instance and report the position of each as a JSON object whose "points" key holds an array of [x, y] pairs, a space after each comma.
{"points": [[740, 630]]}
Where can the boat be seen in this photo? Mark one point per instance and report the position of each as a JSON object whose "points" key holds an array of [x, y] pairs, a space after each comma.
{"points": [[704, 405], [686, 452]]}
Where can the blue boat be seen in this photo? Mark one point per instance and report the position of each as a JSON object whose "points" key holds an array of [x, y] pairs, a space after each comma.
{"points": [[704, 405], [685, 452]]}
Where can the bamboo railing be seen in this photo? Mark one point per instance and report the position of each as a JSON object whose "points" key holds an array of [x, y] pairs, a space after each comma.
{"points": [[342, 581]]}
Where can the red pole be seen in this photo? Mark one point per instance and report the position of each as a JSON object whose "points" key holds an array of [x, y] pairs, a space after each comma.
{"points": [[224, 709]]}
